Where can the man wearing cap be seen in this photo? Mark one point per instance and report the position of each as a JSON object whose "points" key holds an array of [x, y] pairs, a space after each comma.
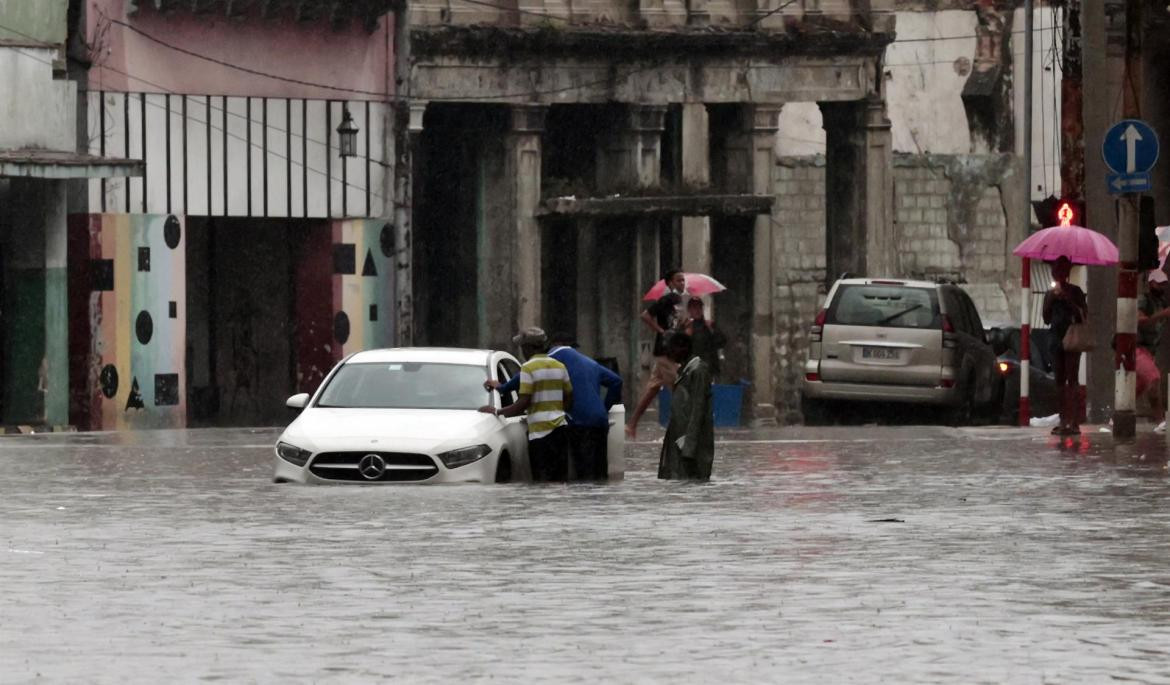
{"points": [[1153, 354], [588, 428], [546, 393]]}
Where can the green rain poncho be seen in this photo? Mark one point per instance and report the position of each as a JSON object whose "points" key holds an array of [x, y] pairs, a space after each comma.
{"points": [[689, 447]]}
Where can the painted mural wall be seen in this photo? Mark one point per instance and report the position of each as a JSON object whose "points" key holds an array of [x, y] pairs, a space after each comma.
{"points": [[363, 285], [128, 329]]}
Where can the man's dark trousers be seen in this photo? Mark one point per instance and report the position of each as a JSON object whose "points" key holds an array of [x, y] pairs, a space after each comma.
{"points": [[588, 450], [549, 456]]}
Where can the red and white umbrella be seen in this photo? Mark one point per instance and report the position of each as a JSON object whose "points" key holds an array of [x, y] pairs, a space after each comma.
{"points": [[697, 284]]}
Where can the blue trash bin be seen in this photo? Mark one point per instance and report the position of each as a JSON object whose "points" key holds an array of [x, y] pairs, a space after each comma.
{"points": [[726, 405]]}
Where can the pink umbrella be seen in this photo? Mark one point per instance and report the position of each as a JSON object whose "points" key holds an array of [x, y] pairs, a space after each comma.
{"points": [[1081, 245], [697, 284]]}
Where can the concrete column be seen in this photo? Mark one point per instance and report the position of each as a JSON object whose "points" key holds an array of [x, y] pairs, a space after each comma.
{"points": [[588, 311], [878, 190], [630, 156], [522, 172], [407, 138], [696, 174], [858, 178], [55, 368], [761, 122], [646, 125]]}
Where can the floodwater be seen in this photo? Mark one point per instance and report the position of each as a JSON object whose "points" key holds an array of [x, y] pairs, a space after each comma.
{"points": [[904, 555]]}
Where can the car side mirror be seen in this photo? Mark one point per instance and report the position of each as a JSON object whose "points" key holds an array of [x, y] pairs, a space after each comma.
{"points": [[297, 401]]}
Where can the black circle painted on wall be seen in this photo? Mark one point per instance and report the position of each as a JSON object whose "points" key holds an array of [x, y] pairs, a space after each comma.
{"points": [[144, 327], [109, 380], [172, 232], [341, 327], [387, 240]]}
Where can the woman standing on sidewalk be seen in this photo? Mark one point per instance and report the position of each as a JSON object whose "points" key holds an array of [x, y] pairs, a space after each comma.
{"points": [[1064, 305]]}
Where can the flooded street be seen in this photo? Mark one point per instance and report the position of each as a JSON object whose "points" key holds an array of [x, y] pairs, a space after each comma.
{"points": [[899, 554]]}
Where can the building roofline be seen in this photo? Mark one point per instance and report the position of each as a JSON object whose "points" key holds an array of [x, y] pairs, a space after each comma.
{"points": [[616, 43]]}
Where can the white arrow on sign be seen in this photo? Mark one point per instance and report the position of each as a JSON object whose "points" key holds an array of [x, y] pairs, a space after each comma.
{"points": [[1118, 183], [1131, 138]]}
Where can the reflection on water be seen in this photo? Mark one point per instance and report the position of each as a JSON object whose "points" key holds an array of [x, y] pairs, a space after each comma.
{"points": [[1016, 559]]}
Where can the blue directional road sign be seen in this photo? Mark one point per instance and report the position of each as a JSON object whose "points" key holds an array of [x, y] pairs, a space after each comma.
{"points": [[1128, 183], [1130, 150]]}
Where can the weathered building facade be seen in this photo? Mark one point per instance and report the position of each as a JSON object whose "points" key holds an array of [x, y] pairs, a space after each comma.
{"points": [[564, 154], [39, 161], [515, 164], [243, 246]]}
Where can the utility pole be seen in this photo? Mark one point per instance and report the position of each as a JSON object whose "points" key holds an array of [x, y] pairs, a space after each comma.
{"points": [[1132, 177], [1125, 385], [1103, 70], [1025, 263]]}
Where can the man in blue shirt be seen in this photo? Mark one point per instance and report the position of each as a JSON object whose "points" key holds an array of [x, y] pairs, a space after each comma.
{"points": [[589, 416]]}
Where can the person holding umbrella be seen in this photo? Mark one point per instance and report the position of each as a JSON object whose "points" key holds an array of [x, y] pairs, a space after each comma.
{"points": [[1064, 306], [662, 316]]}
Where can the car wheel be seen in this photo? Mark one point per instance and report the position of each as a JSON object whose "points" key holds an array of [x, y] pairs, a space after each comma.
{"points": [[815, 412], [504, 469]]}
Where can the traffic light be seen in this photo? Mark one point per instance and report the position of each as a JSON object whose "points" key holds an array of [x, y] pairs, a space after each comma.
{"points": [[1054, 211]]}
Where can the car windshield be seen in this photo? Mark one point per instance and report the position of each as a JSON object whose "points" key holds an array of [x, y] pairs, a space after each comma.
{"points": [[406, 385], [894, 306]]}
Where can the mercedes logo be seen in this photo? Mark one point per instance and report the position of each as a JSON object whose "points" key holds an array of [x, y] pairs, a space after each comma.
{"points": [[372, 466]]}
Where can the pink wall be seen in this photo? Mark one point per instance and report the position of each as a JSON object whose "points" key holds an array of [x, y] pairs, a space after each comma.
{"points": [[307, 51]]}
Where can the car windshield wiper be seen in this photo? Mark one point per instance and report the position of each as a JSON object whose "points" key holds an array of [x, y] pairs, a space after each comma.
{"points": [[904, 312]]}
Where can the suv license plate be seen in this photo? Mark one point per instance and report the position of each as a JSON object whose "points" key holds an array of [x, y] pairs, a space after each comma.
{"points": [[881, 353]]}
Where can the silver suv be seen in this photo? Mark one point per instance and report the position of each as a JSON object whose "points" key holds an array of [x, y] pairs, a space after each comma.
{"points": [[885, 340]]}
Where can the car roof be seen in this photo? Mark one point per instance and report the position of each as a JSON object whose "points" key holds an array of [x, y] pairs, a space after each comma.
{"points": [[438, 355], [888, 281]]}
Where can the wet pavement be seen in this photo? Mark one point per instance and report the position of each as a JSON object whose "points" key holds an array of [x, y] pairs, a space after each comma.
{"points": [[861, 554]]}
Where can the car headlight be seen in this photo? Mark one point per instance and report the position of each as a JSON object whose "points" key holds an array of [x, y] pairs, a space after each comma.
{"points": [[462, 457], [292, 453]]}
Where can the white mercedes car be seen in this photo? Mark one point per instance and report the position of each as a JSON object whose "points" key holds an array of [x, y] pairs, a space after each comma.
{"points": [[408, 415]]}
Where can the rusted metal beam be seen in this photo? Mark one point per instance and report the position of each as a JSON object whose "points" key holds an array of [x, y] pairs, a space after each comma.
{"points": [[670, 205]]}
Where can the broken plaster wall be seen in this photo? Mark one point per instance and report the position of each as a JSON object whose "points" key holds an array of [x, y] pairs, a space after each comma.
{"points": [[954, 220]]}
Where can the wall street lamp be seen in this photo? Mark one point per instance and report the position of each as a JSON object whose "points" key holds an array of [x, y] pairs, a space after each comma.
{"points": [[347, 135]]}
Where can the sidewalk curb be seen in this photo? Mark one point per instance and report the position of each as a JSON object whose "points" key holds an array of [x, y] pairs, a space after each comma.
{"points": [[30, 429]]}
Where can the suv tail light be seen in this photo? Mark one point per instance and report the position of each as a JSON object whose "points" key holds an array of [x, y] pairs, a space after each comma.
{"points": [[818, 327], [948, 330]]}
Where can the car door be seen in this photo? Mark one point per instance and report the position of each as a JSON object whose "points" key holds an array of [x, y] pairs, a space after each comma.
{"points": [[515, 427], [982, 354]]}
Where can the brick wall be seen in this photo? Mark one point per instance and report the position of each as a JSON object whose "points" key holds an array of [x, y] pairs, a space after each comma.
{"points": [[799, 267], [950, 222]]}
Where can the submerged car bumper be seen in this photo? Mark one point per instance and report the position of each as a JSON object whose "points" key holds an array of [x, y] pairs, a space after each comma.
{"points": [[867, 392], [382, 468]]}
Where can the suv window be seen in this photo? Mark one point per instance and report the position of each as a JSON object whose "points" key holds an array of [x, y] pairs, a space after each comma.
{"points": [[972, 315], [957, 310], [894, 306]]}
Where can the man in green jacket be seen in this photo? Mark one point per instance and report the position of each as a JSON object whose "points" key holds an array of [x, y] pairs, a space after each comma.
{"points": [[688, 450]]}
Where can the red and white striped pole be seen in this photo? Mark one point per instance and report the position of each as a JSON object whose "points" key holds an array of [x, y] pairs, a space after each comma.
{"points": [[1025, 338], [1125, 385]]}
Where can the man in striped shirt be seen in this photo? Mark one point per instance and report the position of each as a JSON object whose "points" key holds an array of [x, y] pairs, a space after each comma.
{"points": [[546, 394]]}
